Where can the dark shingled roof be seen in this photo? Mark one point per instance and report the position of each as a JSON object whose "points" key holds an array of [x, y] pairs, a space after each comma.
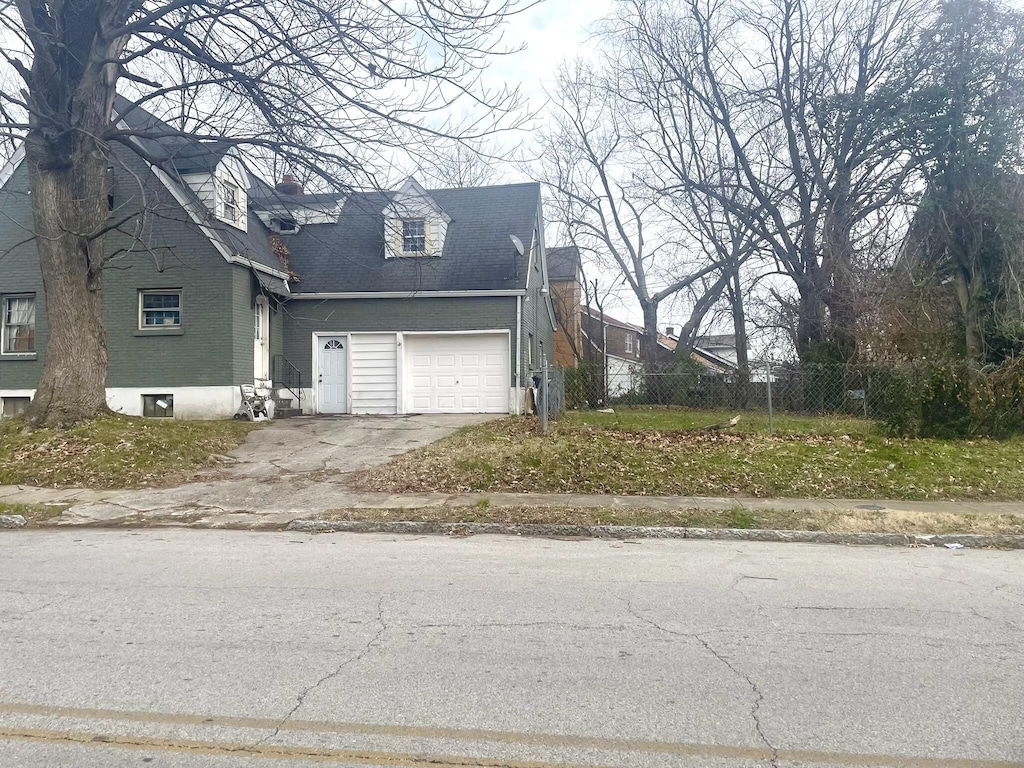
{"points": [[478, 255], [563, 263], [178, 155]]}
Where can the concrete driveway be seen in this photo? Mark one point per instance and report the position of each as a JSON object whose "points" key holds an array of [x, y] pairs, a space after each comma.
{"points": [[338, 445], [287, 469]]}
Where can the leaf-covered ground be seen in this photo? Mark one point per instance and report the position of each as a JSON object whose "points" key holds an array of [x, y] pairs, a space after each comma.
{"points": [[113, 452], [650, 452], [846, 521]]}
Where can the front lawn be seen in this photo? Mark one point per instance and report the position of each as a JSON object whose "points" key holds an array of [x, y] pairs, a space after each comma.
{"points": [[113, 452], [650, 452]]}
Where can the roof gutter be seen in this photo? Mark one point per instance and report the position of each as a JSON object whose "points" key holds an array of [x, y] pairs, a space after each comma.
{"points": [[408, 294]]}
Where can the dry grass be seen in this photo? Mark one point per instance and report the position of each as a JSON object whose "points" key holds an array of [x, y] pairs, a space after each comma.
{"points": [[34, 514], [114, 452], [859, 521], [655, 453]]}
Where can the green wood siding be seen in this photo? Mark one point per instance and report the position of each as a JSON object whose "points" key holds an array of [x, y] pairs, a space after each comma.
{"points": [[214, 346], [304, 317]]}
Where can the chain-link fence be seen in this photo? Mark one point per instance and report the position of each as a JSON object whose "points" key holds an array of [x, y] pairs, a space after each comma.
{"points": [[791, 388], [929, 399]]}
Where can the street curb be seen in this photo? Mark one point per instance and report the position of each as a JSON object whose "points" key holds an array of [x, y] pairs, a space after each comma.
{"points": [[971, 540]]}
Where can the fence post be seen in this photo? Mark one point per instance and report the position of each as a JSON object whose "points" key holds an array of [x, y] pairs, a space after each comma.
{"points": [[771, 415], [544, 395]]}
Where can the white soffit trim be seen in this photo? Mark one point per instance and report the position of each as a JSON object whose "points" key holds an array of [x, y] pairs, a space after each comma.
{"points": [[407, 294], [201, 220], [12, 165]]}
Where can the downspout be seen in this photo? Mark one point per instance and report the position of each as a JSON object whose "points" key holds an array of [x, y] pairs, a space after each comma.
{"points": [[519, 351]]}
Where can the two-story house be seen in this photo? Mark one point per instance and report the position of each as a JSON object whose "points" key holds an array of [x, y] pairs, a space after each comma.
{"points": [[403, 301]]}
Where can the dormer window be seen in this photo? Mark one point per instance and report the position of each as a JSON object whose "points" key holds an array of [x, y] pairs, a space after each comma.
{"points": [[285, 225], [414, 235], [230, 196], [414, 224]]}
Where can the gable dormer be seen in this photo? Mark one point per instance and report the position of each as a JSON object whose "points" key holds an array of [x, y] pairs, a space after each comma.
{"points": [[222, 185], [286, 208], [414, 225]]}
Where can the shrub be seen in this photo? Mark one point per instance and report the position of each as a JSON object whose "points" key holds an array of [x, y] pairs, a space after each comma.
{"points": [[584, 386], [951, 401]]}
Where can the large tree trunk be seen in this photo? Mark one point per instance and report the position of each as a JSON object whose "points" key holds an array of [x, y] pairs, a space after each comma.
{"points": [[967, 290], [649, 348], [811, 331], [73, 384], [71, 95], [837, 282]]}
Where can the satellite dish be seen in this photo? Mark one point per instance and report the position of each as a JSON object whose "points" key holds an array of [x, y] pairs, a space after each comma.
{"points": [[518, 244]]}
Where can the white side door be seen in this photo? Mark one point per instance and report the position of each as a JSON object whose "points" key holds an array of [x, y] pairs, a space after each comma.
{"points": [[332, 386], [261, 341]]}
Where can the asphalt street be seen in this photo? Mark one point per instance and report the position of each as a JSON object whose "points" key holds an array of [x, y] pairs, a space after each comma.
{"points": [[222, 649]]}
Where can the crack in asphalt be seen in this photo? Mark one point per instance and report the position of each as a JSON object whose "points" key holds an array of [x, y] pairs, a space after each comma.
{"points": [[301, 698], [755, 710], [522, 625]]}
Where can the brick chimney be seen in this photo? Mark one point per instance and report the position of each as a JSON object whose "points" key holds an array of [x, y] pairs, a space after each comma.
{"points": [[288, 185], [670, 331]]}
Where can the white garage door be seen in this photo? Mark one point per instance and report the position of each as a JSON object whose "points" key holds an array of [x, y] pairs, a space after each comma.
{"points": [[457, 373]]}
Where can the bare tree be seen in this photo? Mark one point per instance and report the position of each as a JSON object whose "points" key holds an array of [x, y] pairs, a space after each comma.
{"points": [[322, 86], [457, 164], [799, 99], [591, 165]]}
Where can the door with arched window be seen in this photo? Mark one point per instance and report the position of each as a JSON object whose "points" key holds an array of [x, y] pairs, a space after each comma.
{"points": [[332, 374]]}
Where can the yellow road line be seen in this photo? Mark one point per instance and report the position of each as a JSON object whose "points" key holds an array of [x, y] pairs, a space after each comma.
{"points": [[278, 752], [504, 737]]}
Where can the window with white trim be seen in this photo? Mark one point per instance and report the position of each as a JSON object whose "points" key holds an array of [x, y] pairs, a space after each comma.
{"points": [[159, 309], [230, 201], [629, 342], [414, 235], [19, 324], [259, 322]]}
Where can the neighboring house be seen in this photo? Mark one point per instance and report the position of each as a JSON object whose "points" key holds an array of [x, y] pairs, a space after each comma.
{"points": [[620, 343], [566, 277], [409, 301], [716, 353]]}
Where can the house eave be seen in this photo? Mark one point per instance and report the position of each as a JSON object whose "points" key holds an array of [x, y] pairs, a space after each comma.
{"points": [[408, 294], [11, 165]]}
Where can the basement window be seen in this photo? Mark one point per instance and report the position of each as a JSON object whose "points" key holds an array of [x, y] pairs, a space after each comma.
{"points": [[158, 406], [14, 406]]}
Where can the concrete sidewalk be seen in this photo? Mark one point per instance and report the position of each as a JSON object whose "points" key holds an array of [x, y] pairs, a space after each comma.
{"points": [[275, 504]]}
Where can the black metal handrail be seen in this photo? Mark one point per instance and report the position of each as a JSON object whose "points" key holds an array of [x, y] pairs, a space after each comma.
{"points": [[287, 376]]}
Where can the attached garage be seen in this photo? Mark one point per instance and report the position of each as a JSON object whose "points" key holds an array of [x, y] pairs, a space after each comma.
{"points": [[457, 373], [387, 373]]}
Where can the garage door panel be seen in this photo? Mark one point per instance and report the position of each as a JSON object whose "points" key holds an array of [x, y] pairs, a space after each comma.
{"points": [[458, 373], [374, 372]]}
